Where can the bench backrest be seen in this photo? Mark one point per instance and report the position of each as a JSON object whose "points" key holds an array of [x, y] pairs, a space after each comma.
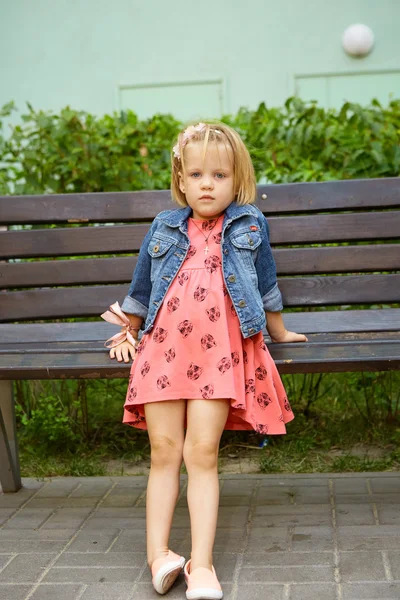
{"points": [[344, 237]]}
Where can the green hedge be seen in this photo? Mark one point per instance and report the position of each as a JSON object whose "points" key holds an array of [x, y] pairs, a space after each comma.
{"points": [[78, 152]]}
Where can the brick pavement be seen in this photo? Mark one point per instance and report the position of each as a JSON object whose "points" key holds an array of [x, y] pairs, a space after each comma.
{"points": [[294, 537]]}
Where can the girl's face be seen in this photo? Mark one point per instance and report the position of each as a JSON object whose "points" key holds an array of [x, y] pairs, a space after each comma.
{"points": [[208, 183]]}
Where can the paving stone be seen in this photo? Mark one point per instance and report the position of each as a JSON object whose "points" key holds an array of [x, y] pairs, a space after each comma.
{"points": [[100, 559], [15, 500], [232, 516], [28, 518], [107, 591], [25, 568], [94, 541], [94, 487], [123, 499], [228, 538], [92, 575], [314, 591], [369, 537], [111, 512], [31, 547], [388, 498], [62, 502], [135, 541], [279, 496], [36, 534], [5, 513], [271, 539], [349, 486], [237, 488], [228, 500], [288, 514], [298, 481], [257, 591], [312, 538], [287, 559], [67, 518], [284, 575], [65, 591], [60, 487], [14, 592], [354, 514], [371, 591], [389, 515], [362, 566], [293, 495], [119, 518], [394, 561], [4, 559], [382, 485]]}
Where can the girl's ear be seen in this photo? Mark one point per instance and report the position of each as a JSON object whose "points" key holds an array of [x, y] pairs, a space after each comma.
{"points": [[181, 184]]}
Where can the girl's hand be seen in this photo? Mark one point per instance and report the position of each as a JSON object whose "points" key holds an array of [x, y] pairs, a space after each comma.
{"points": [[289, 336], [122, 352]]}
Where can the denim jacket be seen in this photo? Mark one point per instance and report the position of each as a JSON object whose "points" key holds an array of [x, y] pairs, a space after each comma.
{"points": [[247, 263]]}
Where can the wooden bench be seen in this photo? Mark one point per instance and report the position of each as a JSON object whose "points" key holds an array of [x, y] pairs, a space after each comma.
{"points": [[312, 278]]}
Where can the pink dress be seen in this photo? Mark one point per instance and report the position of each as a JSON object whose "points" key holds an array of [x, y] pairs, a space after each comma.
{"points": [[196, 349]]}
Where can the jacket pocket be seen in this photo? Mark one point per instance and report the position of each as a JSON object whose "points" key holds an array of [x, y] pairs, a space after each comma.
{"points": [[245, 245], [247, 240], [159, 246]]}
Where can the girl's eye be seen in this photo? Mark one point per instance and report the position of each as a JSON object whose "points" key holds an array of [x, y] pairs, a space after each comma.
{"points": [[220, 175], [196, 175]]}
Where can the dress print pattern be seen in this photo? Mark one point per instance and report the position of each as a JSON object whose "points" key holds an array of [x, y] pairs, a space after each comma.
{"points": [[196, 349]]}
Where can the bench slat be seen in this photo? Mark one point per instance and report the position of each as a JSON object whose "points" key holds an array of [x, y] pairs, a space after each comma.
{"points": [[289, 261], [128, 238], [74, 347], [345, 322], [144, 205], [296, 291], [289, 358]]}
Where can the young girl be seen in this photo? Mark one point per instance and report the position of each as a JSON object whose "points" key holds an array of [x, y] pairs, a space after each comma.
{"points": [[204, 286]]}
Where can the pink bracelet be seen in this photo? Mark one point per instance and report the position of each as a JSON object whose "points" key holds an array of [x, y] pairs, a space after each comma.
{"points": [[118, 317]]}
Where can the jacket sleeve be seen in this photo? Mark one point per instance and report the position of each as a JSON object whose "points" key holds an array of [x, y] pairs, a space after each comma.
{"points": [[266, 271], [137, 300]]}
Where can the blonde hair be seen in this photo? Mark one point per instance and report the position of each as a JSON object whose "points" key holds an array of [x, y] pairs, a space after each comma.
{"points": [[244, 177]]}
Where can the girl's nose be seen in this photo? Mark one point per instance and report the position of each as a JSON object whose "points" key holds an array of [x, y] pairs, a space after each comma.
{"points": [[207, 182]]}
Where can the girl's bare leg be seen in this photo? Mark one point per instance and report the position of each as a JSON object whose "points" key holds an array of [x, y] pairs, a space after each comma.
{"points": [[165, 423], [205, 423]]}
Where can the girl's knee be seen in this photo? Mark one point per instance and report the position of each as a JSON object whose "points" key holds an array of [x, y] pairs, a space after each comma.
{"points": [[202, 454], [165, 451]]}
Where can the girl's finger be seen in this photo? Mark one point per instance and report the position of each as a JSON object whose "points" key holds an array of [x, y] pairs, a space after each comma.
{"points": [[125, 352], [112, 353], [118, 353]]}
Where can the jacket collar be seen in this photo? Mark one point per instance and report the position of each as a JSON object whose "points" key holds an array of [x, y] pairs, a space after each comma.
{"points": [[176, 218]]}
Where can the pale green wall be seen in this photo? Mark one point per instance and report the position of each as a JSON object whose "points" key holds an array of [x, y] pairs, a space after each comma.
{"points": [[78, 52]]}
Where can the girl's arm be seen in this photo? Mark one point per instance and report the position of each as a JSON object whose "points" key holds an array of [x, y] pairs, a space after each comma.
{"points": [[278, 332]]}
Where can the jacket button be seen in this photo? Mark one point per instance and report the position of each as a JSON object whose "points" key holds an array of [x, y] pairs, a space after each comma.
{"points": [[156, 248], [232, 278], [251, 330], [242, 303]]}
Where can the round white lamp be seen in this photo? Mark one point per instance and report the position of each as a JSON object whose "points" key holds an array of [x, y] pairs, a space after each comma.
{"points": [[358, 40]]}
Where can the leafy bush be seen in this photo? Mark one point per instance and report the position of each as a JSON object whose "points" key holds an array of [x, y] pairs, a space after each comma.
{"points": [[78, 152]]}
